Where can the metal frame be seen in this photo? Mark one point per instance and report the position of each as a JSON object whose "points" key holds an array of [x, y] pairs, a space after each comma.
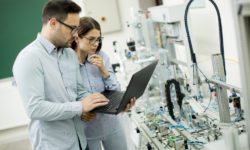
{"points": [[241, 14]]}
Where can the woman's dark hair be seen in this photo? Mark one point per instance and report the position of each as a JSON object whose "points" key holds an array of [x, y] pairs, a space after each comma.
{"points": [[87, 24], [59, 9]]}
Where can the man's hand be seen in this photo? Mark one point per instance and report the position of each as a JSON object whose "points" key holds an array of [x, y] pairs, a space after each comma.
{"points": [[92, 101], [88, 116], [130, 104]]}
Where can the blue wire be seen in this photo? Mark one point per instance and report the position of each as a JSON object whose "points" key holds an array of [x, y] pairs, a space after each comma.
{"points": [[199, 143], [239, 118]]}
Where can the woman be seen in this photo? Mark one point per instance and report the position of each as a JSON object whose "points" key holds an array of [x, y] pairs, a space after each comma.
{"points": [[98, 75]]}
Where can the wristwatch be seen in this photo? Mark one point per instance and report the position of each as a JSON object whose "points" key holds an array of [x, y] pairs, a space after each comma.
{"points": [[107, 77]]}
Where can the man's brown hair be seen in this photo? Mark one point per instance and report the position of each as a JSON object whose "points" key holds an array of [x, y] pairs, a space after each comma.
{"points": [[59, 9]]}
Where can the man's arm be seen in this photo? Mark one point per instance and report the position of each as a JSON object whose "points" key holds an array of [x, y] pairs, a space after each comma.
{"points": [[110, 82], [81, 90], [28, 73]]}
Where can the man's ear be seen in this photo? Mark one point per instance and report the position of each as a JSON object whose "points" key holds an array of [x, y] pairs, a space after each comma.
{"points": [[52, 23]]}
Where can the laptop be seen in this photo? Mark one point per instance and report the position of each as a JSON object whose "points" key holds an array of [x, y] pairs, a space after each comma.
{"points": [[118, 100]]}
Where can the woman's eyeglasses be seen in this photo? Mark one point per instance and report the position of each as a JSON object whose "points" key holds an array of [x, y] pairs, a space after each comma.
{"points": [[93, 40]]}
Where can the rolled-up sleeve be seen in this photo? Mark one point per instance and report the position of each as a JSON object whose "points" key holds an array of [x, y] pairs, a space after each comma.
{"points": [[29, 76], [111, 83]]}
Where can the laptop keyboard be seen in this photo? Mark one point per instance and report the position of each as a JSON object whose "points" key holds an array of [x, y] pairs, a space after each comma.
{"points": [[116, 97], [114, 101]]}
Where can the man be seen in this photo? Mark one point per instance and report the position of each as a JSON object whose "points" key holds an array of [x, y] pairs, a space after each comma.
{"points": [[49, 82]]}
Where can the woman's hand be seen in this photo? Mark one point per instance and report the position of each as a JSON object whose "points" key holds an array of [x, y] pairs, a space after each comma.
{"points": [[130, 104], [97, 60]]}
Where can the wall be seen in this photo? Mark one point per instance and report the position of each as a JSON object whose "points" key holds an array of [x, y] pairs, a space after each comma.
{"points": [[19, 26], [125, 7]]}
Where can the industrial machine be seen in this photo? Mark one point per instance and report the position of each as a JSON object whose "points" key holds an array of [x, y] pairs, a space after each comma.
{"points": [[182, 108]]}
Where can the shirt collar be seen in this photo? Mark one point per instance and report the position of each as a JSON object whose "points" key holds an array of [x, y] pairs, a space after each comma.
{"points": [[87, 60], [48, 46]]}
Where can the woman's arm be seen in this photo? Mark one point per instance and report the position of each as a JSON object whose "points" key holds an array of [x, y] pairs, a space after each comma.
{"points": [[108, 75]]}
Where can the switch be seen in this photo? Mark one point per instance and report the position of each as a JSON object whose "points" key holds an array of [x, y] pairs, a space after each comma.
{"points": [[103, 19]]}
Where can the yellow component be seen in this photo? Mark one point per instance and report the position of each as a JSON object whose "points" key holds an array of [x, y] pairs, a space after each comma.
{"points": [[207, 59], [204, 60], [232, 60], [227, 59]]}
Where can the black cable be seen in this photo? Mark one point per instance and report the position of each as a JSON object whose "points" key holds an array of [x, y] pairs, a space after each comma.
{"points": [[179, 96], [210, 89], [193, 57], [220, 34], [210, 99]]}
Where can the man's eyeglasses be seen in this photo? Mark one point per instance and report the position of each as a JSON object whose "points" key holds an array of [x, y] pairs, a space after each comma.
{"points": [[73, 28], [93, 40]]}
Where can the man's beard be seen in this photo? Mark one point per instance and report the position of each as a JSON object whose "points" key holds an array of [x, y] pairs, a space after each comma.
{"points": [[67, 44]]}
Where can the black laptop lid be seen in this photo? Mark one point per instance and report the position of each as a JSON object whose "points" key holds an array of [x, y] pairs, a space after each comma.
{"points": [[138, 84]]}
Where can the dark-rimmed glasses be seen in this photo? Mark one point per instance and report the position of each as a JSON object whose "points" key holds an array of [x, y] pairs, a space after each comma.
{"points": [[73, 28], [93, 40]]}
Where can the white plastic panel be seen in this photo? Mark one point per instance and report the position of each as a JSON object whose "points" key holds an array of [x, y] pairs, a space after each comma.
{"points": [[168, 13], [12, 112], [106, 12]]}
